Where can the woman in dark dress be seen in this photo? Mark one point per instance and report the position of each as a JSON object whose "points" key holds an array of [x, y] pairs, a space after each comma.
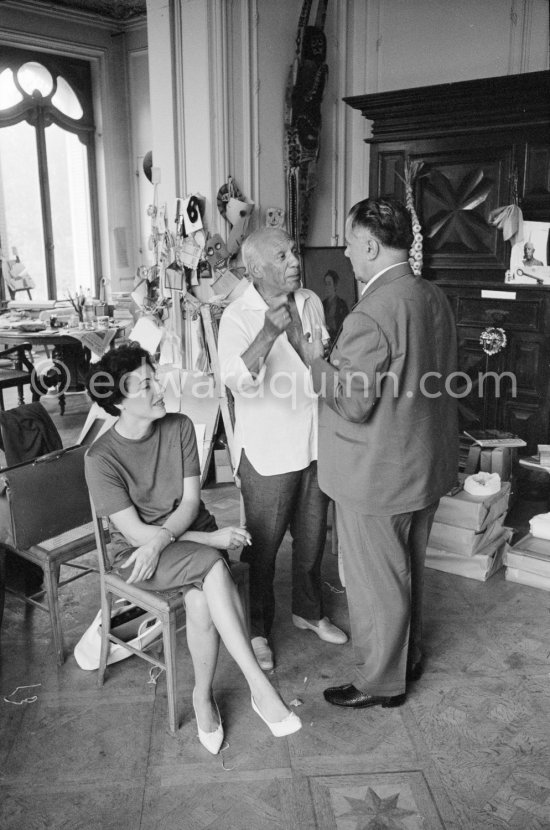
{"points": [[144, 474]]}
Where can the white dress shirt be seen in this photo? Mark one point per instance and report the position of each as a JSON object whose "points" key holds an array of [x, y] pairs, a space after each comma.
{"points": [[275, 410]]}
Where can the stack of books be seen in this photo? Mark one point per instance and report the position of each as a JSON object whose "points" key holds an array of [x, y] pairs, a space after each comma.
{"points": [[528, 562], [468, 536]]}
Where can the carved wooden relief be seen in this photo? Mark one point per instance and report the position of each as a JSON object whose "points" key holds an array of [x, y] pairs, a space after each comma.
{"points": [[455, 195]]}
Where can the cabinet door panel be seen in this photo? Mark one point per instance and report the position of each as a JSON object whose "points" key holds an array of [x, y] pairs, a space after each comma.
{"points": [[391, 173], [484, 393], [537, 172], [455, 194], [524, 359]]}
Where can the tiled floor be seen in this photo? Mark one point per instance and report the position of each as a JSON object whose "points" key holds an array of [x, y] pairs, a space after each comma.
{"points": [[469, 749]]}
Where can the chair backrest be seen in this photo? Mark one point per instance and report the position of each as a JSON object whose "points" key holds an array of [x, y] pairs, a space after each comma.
{"points": [[97, 422], [43, 498], [27, 432]]}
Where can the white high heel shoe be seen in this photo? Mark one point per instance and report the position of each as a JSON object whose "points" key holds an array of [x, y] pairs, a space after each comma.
{"points": [[212, 741], [280, 728]]}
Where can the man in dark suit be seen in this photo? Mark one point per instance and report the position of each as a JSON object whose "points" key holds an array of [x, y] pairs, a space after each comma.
{"points": [[388, 447]]}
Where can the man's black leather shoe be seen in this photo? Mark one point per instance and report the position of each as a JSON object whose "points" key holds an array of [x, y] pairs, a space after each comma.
{"points": [[351, 697], [415, 672]]}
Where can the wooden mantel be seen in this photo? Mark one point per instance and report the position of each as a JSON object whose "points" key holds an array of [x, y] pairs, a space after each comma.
{"points": [[464, 107]]}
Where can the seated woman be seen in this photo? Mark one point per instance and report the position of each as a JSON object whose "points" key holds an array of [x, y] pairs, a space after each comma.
{"points": [[144, 474]]}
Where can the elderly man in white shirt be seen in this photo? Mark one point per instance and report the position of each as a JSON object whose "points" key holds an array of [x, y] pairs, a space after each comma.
{"points": [[263, 341]]}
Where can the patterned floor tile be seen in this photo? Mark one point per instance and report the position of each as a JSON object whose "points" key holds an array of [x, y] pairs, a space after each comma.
{"points": [[523, 800], [397, 801], [268, 804], [107, 807], [83, 742]]}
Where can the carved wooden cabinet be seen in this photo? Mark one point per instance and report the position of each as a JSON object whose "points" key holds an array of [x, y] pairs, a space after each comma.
{"points": [[509, 390], [482, 145]]}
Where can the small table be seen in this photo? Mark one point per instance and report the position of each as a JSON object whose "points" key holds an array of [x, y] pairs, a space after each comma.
{"points": [[71, 354]]}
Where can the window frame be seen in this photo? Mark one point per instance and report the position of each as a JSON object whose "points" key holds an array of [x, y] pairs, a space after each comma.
{"points": [[39, 112]]}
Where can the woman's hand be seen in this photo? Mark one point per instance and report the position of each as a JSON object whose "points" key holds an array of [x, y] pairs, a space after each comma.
{"points": [[145, 560], [229, 538]]}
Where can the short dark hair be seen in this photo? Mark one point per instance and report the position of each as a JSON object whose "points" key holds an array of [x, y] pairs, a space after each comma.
{"points": [[387, 219], [333, 275], [105, 381]]}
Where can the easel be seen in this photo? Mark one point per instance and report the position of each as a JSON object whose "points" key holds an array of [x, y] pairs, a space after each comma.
{"points": [[225, 402], [210, 325], [14, 275]]}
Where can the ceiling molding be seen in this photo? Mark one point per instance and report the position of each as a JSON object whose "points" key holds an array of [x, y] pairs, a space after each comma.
{"points": [[104, 13]]}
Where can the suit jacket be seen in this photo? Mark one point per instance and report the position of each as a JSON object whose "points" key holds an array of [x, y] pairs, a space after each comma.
{"points": [[388, 432]]}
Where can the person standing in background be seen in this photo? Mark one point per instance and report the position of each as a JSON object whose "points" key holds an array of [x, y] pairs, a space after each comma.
{"points": [[388, 447]]}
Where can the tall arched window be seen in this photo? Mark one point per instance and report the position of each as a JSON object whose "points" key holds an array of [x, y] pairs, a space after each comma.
{"points": [[48, 204]]}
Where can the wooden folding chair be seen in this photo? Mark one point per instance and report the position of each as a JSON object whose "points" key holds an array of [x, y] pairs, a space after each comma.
{"points": [[164, 604], [45, 518]]}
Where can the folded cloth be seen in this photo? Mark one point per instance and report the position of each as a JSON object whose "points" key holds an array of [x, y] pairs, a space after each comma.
{"points": [[510, 221], [482, 484], [540, 526], [96, 341]]}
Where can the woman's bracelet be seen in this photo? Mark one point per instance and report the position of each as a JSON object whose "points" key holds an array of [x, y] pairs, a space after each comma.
{"points": [[169, 532]]}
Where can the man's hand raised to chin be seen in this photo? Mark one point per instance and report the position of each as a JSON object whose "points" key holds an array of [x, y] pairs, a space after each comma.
{"points": [[277, 317]]}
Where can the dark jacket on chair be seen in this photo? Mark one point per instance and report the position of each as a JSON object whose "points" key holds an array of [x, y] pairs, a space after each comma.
{"points": [[27, 432]]}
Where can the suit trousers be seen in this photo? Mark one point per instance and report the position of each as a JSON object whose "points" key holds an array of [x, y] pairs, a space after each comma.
{"points": [[271, 504], [383, 560]]}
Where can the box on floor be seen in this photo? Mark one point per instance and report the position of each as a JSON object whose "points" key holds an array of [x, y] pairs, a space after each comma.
{"points": [[473, 512], [527, 578], [462, 540], [528, 561], [480, 566]]}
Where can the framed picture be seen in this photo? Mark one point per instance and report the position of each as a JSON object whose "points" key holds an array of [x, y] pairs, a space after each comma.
{"points": [[532, 250], [329, 273]]}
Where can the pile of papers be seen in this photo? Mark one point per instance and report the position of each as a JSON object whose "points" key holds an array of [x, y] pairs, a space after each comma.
{"points": [[528, 562], [468, 536]]}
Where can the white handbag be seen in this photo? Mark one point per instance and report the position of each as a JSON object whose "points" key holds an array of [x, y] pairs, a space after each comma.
{"points": [[135, 626]]}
